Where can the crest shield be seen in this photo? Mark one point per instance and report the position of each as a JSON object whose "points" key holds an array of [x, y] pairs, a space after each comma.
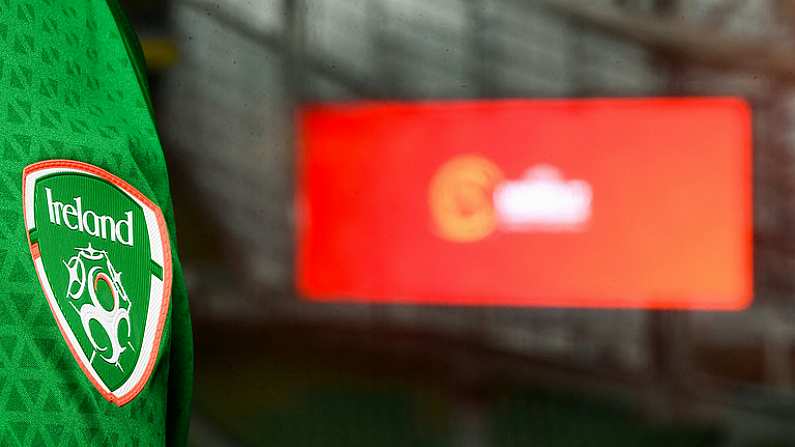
{"points": [[102, 256]]}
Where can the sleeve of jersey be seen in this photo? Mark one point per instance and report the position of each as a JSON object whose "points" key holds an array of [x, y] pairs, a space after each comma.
{"points": [[181, 373], [180, 379]]}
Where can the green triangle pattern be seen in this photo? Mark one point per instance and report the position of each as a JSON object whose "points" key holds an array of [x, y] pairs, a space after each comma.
{"points": [[67, 91]]}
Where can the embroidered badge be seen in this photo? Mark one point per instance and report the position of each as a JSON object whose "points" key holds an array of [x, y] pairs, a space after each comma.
{"points": [[102, 256]]}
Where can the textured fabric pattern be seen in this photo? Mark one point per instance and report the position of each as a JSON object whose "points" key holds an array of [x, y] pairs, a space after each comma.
{"points": [[69, 89]]}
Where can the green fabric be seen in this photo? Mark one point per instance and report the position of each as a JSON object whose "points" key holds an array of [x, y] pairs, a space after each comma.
{"points": [[133, 47], [72, 86]]}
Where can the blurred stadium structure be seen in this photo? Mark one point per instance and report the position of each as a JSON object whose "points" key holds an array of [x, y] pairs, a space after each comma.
{"points": [[226, 110]]}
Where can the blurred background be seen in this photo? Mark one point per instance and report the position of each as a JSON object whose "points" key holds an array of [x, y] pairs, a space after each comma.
{"points": [[227, 78]]}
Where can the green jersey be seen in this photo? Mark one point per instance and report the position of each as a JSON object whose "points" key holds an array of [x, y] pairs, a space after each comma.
{"points": [[95, 336]]}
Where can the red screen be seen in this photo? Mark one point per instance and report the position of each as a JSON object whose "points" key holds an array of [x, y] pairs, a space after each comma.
{"points": [[639, 203]]}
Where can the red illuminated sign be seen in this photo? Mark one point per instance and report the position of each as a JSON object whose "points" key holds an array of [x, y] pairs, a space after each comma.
{"points": [[640, 203]]}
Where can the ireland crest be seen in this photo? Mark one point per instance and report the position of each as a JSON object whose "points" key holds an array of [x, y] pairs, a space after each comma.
{"points": [[102, 256]]}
